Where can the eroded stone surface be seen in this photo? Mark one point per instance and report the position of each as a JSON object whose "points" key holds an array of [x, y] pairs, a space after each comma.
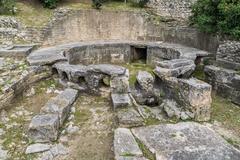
{"points": [[61, 104], [186, 140], [129, 117], [145, 80], [38, 147], [175, 68], [226, 82], [44, 128], [120, 100], [125, 144]]}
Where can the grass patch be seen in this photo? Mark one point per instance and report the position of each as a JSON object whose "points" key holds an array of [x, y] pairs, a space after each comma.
{"points": [[146, 152], [109, 5], [43, 85], [33, 15], [81, 116], [13, 140], [134, 68], [199, 73], [227, 113]]}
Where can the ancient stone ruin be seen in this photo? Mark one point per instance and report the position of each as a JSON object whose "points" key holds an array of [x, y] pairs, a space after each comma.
{"points": [[98, 100]]}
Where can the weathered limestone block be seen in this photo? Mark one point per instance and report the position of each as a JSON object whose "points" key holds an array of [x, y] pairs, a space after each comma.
{"points": [[44, 128], [109, 69], [217, 74], [129, 117], [193, 97], [70, 72], [145, 80], [144, 97], [93, 81], [120, 100], [185, 140], [196, 95], [119, 84], [46, 56], [125, 144], [226, 82], [175, 68], [61, 104]]}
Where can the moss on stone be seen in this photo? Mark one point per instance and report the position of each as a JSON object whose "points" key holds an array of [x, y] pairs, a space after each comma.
{"points": [[199, 73], [146, 152], [134, 68]]}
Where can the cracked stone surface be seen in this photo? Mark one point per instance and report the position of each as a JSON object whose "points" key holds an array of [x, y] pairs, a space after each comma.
{"points": [[125, 144], [185, 140]]}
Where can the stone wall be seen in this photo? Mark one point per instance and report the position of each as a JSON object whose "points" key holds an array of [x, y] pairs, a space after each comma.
{"points": [[228, 55], [85, 25], [172, 8]]}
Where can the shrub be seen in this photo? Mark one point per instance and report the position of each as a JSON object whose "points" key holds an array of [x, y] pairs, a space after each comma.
{"points": [[50, 3], [7, 6], [139, 3], [217, 16], [97, 4]]}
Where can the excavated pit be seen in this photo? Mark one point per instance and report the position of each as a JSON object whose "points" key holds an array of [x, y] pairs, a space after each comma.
{"points": [[97, 87]]}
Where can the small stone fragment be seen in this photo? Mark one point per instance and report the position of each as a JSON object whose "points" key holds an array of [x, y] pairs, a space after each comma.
{"points": [[38, 147]]}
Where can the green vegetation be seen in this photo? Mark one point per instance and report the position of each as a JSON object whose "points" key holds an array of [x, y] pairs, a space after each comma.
{"points": [[49, 3], [227, 113], [15, 139], [220, 16], [146, 153], [7, 6], [134, 68], [96, 4], [199, 73]]}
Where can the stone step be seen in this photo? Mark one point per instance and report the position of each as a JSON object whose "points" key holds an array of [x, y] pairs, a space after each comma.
{"points": [[120, 100]]}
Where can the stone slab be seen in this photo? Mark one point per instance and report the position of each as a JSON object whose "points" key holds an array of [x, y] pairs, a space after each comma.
{"points": [[120, 100], [125, 144], [185, 141], [129, 117], [61, 104], [44, 128], [38, 147]]}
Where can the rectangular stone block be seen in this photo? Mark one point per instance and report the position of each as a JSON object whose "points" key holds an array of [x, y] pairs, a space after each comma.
{"points": [[61, 104], [196, 95], [44, 128], [120, 100], [125, 145]]}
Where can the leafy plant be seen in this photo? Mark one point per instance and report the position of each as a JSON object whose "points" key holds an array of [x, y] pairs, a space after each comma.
{"points": [[97, 4], [7, 6], [139, 3], [50, 3], [217, 16]]}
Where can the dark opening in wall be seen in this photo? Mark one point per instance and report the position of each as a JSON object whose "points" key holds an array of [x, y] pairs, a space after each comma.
{"points": [[81, 81], [138, 54], [64, 76], [54, 71]]}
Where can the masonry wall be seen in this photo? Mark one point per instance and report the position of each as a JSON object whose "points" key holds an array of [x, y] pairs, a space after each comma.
{"points": [[89, 25], [172, 8]]}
